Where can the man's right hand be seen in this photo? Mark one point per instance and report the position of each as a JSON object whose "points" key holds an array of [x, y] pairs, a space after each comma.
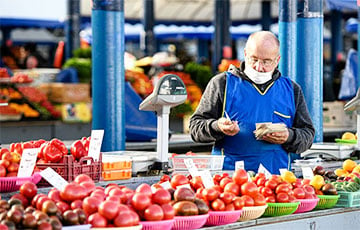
{"points": [[228, 127]]}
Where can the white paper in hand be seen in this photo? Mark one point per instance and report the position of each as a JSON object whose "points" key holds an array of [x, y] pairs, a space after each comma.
{"points": [[95, 143], [53, 178], [27, 163]]}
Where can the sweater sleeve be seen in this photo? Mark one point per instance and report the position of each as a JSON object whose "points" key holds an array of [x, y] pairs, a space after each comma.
{"points": [[203, 123], [301, 134]]}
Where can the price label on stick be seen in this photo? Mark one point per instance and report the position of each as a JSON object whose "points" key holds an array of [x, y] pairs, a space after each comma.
{"points": [[27, 163], [262, 169], [239, 165], [282, 171], [95, 143], [189, 163], [53, 178], [307, 173], [206, 178]]}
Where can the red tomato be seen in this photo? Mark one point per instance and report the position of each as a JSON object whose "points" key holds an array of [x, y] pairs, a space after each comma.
{"points": [[210, 194], [282, 188], [54, 194], [229, 207], [28, 189], [2, 170], [89, 186], [309, 189], [35, 199], [218, 205], [115, 199], [227, 197], [261, 181], [259, 199], [126, 219], [282, 197], [5, 164], [76, 204], [108, 209], [40, 202], [118, 193], [267, 191], [154, 213], [81, 178], [270, 199], [178, 179], [217, 178], [3, 227], [168, 211], [224, 175], [97, 221], [305, 181], [240, 176], [109, 188], [196, 182], [248, 188], [271, 184], [22, 198], [292, 198], [248, 200], [239, 203], [62, 206], [144, 189], [276, 178], [165, 178], [299, 193], [161, 196], [233, 188], [98, 193], [140, 201], [73, 191], [224, 182]]}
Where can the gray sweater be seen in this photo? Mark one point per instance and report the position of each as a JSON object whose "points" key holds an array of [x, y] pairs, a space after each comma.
{"points": [[203, 123]]}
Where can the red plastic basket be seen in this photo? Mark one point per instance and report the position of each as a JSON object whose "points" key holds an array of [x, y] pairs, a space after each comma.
{"points": [[69, 169], [189, 222], [157, 225], [222, 217], [306, 205], [11, 184]]}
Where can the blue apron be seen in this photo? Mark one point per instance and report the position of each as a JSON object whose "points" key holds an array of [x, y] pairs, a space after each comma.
{"points": [[247, 105]]}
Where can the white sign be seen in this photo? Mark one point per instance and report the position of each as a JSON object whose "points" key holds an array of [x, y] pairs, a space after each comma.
{"points": [[282, 171], [307, 173], [166, 184], [191, 167], [27, 163], [239, 165], [249, 177], [184, 185], [206, 178], [95, 143], [54, 178], [262, 169]]}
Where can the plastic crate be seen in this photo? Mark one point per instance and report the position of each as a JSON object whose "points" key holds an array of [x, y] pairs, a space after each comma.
{"points": [[281, 209], [69, 169], [11, 184], [117, 174], [211, 162], [116, 162], [327, 201], [251, 213], [348, 199]]}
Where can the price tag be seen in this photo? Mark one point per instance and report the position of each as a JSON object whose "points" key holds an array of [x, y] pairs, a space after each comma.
{"points": [[206, 178], [53, 178], [191, 167], [95, 143], [262, 169], [249, 177], [282, 171], [239, 165], [27, 163], [166, 185], [307, 173], [184, 185]]}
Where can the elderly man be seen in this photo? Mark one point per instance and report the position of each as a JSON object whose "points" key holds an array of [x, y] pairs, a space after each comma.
{"points": [[236, 100]]}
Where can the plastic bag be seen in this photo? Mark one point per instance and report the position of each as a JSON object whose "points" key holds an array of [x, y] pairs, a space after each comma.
{"points": [[349, 82]]}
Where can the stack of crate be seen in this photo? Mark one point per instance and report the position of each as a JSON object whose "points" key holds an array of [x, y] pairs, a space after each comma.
{"points": [[116, 167]]}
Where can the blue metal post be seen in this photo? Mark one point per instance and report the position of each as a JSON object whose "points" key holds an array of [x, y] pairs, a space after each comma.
{"points": [[108, 71], [336, 35], [287, 37], [148, 22], [72, 28], [310, 59], [265, 15]]}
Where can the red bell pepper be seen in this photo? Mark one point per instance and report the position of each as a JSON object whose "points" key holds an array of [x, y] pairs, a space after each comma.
{"points": [[78, 150], [54, 151], [86, 143]]}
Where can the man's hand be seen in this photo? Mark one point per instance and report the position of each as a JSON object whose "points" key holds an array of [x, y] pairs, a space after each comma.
{"points": [[228, 127], [276, 137]]}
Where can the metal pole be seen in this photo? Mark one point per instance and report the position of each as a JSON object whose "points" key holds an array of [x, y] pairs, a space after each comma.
{"points": [[108, 72], [265, 14], [310, 59], [287, 37], [336, 35], [148, 22], [72, 28]]}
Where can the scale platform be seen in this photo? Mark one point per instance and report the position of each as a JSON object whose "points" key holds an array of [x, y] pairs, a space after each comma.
{"points": [[329, 150]]}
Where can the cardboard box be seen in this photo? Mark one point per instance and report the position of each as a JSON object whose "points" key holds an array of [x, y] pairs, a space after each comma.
{"points": [[335, 116], [75, 112], [66, 92]]}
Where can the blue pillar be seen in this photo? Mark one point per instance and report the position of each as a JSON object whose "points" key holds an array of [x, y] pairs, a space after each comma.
{"points": [[221, 34], [266, 15], [148, 23], [72, 28], [287, 37], [336, 35], [108, 72], [203, 50], [310, 59]]}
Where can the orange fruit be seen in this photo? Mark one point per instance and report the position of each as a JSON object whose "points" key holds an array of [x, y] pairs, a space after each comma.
{"points": [[317, 182], [288, 177], [349, 165], [341, 172], [348, 136]]}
